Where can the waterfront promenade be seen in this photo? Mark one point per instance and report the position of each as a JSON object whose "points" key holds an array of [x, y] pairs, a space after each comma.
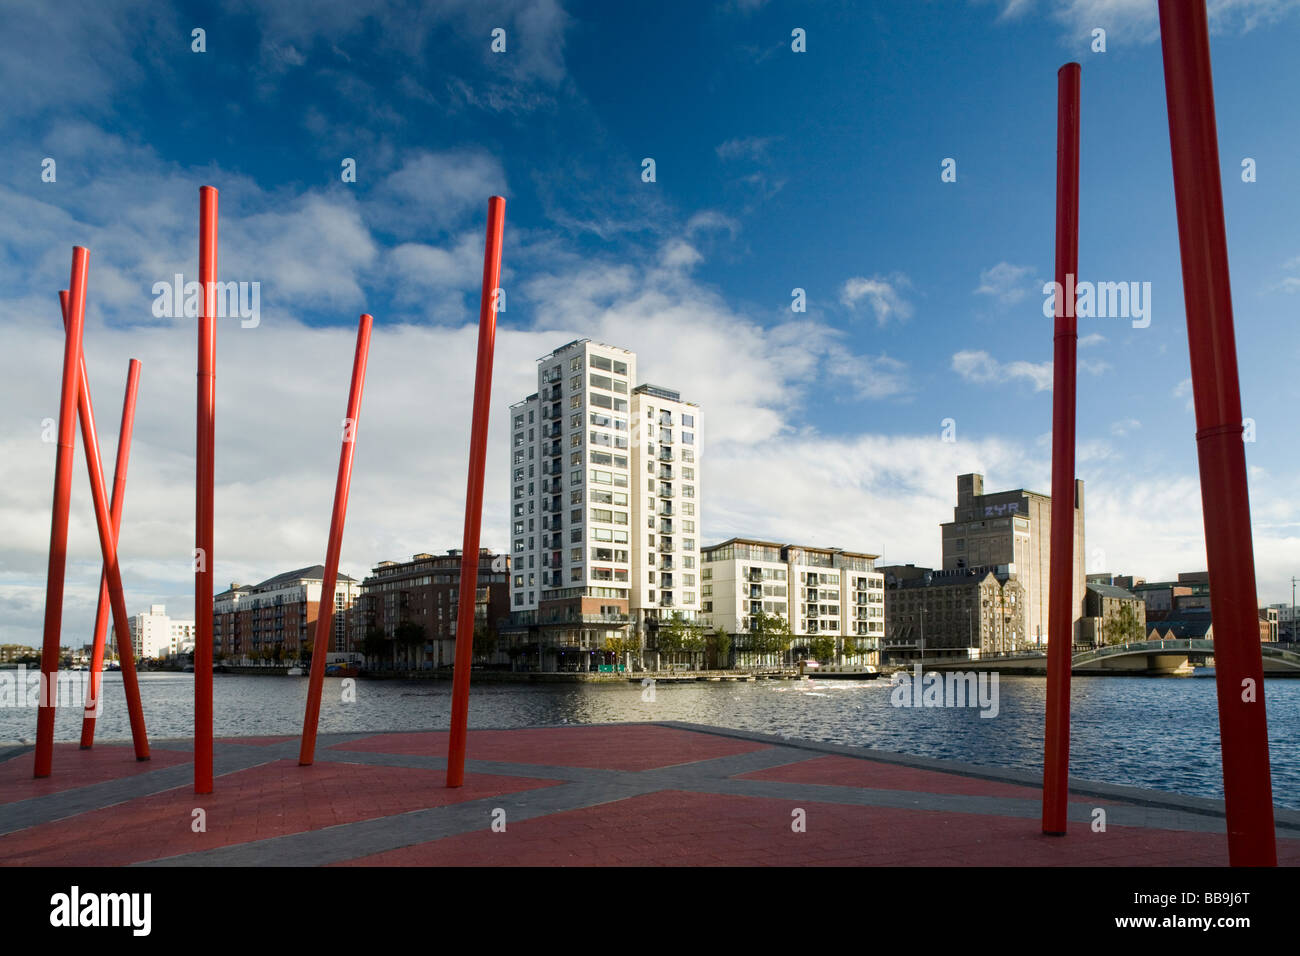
{"points": [[575, 795]]}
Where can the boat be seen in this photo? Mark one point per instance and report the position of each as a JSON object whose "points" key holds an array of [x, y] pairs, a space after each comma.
{"points": [[294, 672], [342, 670], [847, 672]]}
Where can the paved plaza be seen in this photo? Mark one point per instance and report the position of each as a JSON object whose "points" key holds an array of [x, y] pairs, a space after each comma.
{"points": [[602, 795]]}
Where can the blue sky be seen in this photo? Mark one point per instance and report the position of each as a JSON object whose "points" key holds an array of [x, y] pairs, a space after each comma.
{"points": [[775, 170]]}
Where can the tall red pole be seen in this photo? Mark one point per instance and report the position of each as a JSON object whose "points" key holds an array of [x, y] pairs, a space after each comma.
{"points": [[58, 561], [103, 608], [203, 491], [325, 614], [1239, 666], [487, 330], [1060, 598]]}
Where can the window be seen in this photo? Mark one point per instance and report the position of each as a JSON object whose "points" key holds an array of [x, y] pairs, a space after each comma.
{"points": [[575, 363], [602, 381], [688, 438], [575, 383], [688, 421], [620, 368], [600, 362], [601, 401]]}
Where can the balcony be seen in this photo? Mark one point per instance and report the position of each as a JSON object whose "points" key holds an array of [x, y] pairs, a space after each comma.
{"points": [[666, 564], [666, 546], [665, 454], [665, 527], [666, 510], [665, 473]]}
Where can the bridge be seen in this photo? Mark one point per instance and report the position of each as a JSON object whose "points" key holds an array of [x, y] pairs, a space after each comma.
{"points": [[1171, 656]]}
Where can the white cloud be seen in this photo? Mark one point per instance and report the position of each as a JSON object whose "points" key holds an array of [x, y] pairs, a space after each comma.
{"points": [[982, 368], [881, 293], [754, 148], [1125, 426], [1087, 341], [1004, 282]]}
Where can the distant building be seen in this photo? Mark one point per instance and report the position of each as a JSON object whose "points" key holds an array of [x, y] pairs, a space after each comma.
{"points": [[1014, 528], [425, 591], [276, 619], [154, 634], [962, 612], [818, 592], [1102, 607]]}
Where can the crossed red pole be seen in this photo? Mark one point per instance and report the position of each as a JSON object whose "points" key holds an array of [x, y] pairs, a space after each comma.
{"points": [[76, 394], [103, 609]]}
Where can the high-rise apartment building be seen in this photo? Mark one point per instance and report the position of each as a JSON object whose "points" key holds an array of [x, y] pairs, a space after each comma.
{"points": [[1014, 528], [605, 502]]}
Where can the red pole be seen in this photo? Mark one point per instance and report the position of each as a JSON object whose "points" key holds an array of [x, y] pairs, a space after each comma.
{"points": [[1207, 295], [325, 615], [487, 330], [102, 610], [63, 455], [203, 491], [1060, 599], [108, 534]]}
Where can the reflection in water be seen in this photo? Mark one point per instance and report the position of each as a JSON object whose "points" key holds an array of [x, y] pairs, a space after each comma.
{"points": [[1158, 733]]}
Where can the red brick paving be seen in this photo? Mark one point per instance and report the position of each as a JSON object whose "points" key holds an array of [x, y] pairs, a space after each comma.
{"points": [[257, 741], [674, 828], [74, 767], [870, 774], [270, 800], [609, 747]]}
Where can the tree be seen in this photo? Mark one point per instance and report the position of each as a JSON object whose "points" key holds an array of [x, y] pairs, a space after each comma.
{"points": [[622, 646], [769, 634], [721, 645], [678, 634], [375, 643], [408, 636], [485, 640], [822, 648]]}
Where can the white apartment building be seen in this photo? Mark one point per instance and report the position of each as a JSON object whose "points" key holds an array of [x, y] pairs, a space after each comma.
{"points": [[604, 499], [820, 592], [155, 634]]}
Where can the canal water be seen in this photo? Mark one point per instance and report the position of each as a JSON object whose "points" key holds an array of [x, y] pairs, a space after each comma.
{"points": [[1143, 732]]}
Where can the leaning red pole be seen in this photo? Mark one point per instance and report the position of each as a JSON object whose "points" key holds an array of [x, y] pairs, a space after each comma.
{"points": [[1060, 607], [58, 560], [1239, 666], [203, 491], [325, 615], [103, 608], [487, 330], [108, 534], [90, 440]]}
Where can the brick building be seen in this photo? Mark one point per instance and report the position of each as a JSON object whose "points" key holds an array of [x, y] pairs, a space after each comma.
{"points": [[425, 591], [276, 619]]}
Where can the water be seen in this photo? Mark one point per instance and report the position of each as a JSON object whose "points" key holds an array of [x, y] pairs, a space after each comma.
{"points": [[1156, 733]]}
